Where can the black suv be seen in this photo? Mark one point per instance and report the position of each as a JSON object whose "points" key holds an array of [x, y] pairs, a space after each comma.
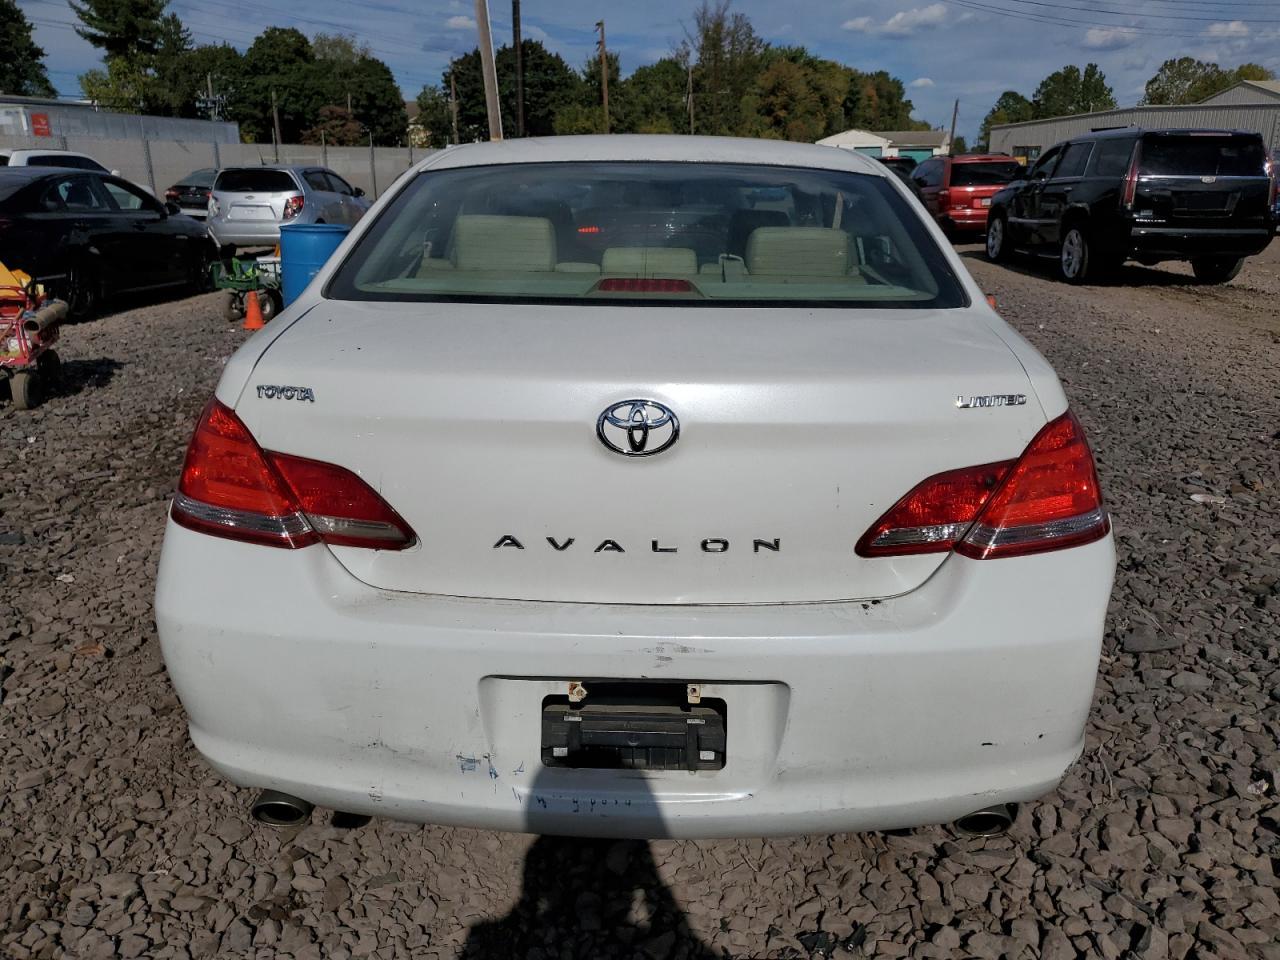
{"points": [[1146, 195]]}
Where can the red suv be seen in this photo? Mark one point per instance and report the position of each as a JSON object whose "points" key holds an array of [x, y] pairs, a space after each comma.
{"points": [[958, 190]]}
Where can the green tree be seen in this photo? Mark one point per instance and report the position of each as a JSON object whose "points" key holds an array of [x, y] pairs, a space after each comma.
{"points": [[434, 116], [22, 70], [278, 61], [959, 145], [174, 88], [339, 48], [376, 102], [218, 67], [591, 95], [125, 85], [1010, 107], [797, 96], [654, 98], [335, 127], [550, 85], [1095, 93], [121, 28], [726, 54], [878, 101], [1187, 80], [1070, 91]]}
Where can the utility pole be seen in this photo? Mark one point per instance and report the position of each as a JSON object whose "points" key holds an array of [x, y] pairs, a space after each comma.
{"points": [[955, 114], [515, 31], [453, 103], [604, 74], [275, 122], [489, 69], [689, 96]]}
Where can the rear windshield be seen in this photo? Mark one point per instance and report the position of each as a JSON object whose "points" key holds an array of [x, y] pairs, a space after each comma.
{"points": [[693, 233], [983, 174], [1203, 156], [200, 178], [254, 181], [62, 160]]}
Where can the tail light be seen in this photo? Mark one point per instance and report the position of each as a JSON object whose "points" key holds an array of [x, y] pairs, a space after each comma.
{"points": [[293, 207], [171, 194], [643, 285], [1130, 195], [1275, 179], [944, 197], [1047, 499], [232, 488]]}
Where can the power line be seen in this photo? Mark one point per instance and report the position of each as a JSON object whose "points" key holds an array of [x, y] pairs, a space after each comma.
{"points": [[1073, 22], [1131, 14]]}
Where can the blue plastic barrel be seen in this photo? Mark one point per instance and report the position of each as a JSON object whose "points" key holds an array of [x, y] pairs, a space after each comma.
{"points": [[304, 248]]}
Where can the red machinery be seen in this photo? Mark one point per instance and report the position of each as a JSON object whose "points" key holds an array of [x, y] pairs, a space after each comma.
{"points": [[29, 322]]}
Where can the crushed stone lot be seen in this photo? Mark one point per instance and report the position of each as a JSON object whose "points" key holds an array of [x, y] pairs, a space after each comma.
{"points": [[1163, 841]]}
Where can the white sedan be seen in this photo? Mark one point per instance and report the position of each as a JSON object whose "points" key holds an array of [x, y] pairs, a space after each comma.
{"points": [[639, 486]]}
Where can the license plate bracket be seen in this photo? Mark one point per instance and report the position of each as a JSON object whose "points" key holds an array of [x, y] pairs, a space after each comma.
{"points": [[633, 730]]}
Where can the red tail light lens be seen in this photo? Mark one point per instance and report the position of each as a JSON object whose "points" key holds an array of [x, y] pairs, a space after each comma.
{"points": [[292, 207], [1051, 499], [232, 488], [1130, 195], [171, 194], [1048, 499], [935, 514], [341, 507]]}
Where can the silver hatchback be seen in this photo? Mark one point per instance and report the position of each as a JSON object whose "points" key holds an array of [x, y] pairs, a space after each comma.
{"points": [[248, 204]]}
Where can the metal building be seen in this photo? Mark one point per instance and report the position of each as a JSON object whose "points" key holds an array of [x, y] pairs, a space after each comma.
{"points": [[1249, 105], [59, 119]]}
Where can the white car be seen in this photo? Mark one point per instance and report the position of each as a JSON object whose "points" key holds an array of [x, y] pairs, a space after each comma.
{"points": [[639, 486], [52, 158]]}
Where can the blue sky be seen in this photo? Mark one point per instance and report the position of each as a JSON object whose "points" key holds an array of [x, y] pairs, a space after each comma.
{"points": [[942, 49]]}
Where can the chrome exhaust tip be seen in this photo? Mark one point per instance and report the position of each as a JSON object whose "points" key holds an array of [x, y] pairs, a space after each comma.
{"points": [[280, 809], [989, 821]]}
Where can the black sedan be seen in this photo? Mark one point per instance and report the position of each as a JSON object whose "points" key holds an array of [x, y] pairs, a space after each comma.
{"points": [[191, 193], [90, 235]]}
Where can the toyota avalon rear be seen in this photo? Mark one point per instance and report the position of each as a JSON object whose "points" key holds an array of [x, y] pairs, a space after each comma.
{"points": [[639, 487]]}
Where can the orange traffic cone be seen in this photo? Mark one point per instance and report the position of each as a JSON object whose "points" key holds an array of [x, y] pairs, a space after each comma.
{"points": [[252, 312]]}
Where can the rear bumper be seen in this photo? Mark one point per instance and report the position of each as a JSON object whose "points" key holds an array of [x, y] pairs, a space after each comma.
{"points": [[971, 690], [966, 220], [1182, 243], [245, 233]]}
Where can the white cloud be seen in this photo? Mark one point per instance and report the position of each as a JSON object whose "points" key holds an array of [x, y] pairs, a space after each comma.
{"points": [[1234, 29], [903, 23], [920, 83], [460, 22], [906, 22], [1109, 38]]}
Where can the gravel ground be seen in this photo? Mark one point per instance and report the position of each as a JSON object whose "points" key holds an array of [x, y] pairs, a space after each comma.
{"points": [[1164, 840]]}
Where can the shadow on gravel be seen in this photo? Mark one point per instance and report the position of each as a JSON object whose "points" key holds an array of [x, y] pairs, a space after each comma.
{"points": [[80, 375], [1130, 275], [587, 899]]}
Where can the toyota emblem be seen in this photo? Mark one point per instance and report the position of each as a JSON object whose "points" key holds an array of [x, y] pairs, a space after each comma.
{"points": [[638, 428]]}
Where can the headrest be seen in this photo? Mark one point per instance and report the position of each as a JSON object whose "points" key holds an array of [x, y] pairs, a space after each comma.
{"points": [[486, 242], [798, 251], [649, 261]]}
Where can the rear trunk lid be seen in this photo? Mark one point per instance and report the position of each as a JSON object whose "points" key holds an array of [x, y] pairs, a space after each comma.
{"points": [[251, 194], [1207, 180], [798, 429], [973, 184]]}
